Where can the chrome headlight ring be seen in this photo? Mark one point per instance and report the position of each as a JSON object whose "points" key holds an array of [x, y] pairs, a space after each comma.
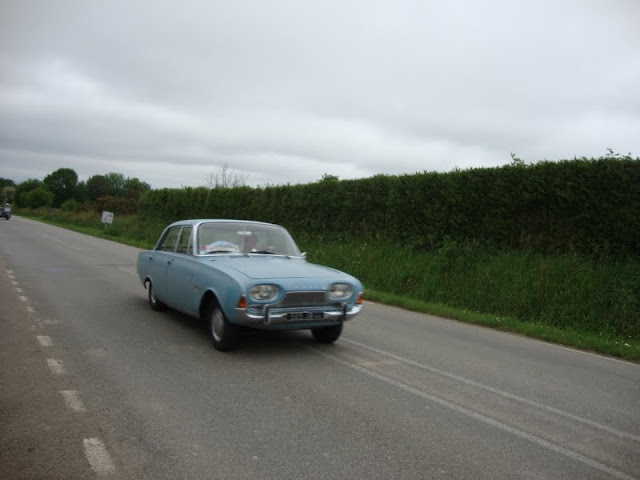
{"points": [[263, 292], [340, 292]]}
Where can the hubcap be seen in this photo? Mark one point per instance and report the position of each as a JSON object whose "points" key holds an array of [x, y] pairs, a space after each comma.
{"points": [[217, 324]]}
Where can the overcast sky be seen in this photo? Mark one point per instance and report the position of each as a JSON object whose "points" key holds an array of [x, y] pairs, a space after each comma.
{"points": [[285, 91]]}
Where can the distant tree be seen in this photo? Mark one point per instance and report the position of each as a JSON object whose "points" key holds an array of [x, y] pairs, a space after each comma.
{"points": [[226, 177], [8, 193], [24, 188], [39, 197], [82, 194], [134, 187], [97, 186], [116, 182], [5, 182], [62, 183], [329, 178]]}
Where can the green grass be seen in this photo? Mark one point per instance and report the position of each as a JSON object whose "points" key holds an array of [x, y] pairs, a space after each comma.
{"points": [[574, 301], [579, 302]]}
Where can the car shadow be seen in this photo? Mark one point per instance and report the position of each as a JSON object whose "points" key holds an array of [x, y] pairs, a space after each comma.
{"points": [[262, 341]]}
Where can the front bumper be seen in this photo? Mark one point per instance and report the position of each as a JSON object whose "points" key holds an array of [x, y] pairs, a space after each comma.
{"points": [[295, 317]]}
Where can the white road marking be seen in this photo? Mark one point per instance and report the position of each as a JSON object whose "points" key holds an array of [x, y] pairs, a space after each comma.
{"points": [[98, 456], [56, 366], [44, 340], [511, 396], [19, 290], [482, 418], [31, 309], [73, 401], [23, 298]]}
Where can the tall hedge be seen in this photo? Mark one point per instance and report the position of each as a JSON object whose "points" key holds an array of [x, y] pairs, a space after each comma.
{"points": [[591, 206]]}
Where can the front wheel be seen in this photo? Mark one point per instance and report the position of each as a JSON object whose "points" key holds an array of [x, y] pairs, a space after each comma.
{"points": [[155, 304], [327, 334], [224, 334]]}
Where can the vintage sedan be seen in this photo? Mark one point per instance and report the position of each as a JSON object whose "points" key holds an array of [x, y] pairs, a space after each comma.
{"points": [[237, 274]]}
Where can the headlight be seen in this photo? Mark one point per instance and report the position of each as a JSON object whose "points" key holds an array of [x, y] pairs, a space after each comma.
{"points": [[262, 293], [340, 291]]}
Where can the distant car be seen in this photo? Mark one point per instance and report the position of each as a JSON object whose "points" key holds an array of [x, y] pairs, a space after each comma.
{"points": [[235, 274]]}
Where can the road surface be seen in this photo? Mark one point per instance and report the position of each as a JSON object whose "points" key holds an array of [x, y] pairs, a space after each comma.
{"points": [[96, 385]]}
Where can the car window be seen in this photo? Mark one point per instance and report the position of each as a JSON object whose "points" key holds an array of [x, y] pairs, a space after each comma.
{"points": [[185, 242], [170, 240], [246, 238]]}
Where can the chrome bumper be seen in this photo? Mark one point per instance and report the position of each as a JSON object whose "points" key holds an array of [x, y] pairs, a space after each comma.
{"points": [[272, 315]]}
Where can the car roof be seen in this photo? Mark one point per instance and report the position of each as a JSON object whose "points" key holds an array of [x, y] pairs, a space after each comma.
{"points": [[197, 221]]}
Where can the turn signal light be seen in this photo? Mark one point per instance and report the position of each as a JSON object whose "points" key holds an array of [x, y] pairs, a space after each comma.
{"points": [[242, 302]]}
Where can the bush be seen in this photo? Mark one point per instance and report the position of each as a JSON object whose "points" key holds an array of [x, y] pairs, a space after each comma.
{"points": [[69, 206]]}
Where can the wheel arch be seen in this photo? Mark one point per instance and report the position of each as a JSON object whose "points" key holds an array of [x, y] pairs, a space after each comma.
{"points": [[207, 299]]}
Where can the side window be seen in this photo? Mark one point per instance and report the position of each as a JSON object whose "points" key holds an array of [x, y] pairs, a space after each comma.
{"points": [[184, 244], [168, 243]]}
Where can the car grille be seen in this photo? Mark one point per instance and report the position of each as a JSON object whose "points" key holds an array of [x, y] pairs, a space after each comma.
{"points": [[303, 299]]}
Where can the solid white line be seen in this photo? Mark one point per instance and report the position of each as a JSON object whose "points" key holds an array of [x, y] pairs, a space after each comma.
{"points": [[490, 421], [44, 340], [56, 366], [98, 456], [511, 396], [73, 401]]}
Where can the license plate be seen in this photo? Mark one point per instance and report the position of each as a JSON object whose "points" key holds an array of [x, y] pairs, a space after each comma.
{"points": [[305, 316]]}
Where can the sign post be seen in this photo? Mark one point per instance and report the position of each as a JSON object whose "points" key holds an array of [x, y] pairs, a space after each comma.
{"points": [[107, 218]]}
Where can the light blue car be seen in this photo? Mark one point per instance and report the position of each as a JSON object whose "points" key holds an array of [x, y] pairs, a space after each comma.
{"points": [[238, 274]]}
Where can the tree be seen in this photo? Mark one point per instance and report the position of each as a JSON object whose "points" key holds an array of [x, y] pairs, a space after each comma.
{"points": [[24, 188], [40, 197], [134, 187], [116, 183], [97, 186], [226, 178], [62, 183], [5, 182]]}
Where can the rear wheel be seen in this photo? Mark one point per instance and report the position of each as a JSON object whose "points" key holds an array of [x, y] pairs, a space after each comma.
{"points": [[224, 334], [327, 334], [154, 303]]}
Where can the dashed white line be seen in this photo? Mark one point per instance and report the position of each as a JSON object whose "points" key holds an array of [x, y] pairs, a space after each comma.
{"points": [[73, 401], [23, 298], [56, 366], [98, 456], [44, 340]]}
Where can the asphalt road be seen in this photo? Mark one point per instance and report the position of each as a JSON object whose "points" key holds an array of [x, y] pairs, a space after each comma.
{"points": [[96, 385]]}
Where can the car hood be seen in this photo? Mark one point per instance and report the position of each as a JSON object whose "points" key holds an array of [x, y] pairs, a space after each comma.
{"points": [[268, 267]]}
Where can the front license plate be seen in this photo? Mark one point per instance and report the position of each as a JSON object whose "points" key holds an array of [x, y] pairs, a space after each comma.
{"points": [[305, 316]]}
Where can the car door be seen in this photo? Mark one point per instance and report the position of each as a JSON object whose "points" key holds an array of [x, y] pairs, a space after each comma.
{"points": [[158, 263], [180, 273]]}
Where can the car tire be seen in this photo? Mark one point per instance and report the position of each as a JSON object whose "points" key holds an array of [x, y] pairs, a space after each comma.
{"points": [[224, 334], [155, 304], [327, 334]]}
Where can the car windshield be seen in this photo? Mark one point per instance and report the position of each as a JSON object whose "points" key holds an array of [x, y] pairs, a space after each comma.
{"points": [[244, 238]]}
